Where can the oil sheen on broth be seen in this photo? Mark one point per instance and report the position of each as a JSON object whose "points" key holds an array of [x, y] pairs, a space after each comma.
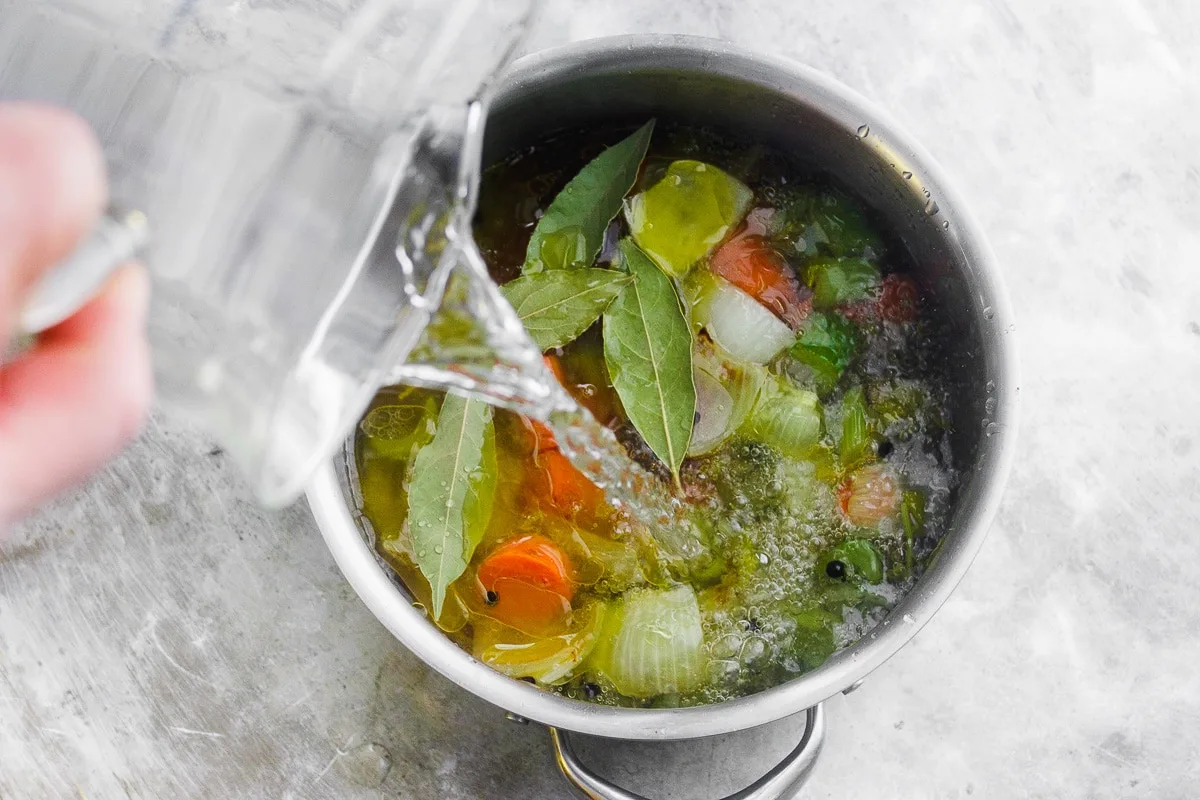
{"points": [[758, 344]]}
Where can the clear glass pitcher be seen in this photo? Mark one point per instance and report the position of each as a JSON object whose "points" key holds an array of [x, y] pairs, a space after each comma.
{"points": [[305, 171]]}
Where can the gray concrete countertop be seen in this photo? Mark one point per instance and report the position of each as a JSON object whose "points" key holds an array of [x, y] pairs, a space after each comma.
{"points": [[161, 637]]}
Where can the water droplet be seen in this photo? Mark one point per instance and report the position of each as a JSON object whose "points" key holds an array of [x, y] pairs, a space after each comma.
{"points": [[727, 646], [989, 312], [984, 422], [931, 207], [906, 175], [437, 549], [908, 620], [989, 405], [925, 192], [367, 765], [754, 649], [864, 131], [421, 553], [763, 559], [991, 386], [721, 670], [992, 429], [946, 225]]}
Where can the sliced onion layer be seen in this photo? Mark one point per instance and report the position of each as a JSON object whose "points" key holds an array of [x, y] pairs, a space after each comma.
{"points": [[743, 328], [714, 410], [657, 647]]}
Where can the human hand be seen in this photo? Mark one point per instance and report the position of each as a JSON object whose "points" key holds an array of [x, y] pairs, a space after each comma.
{"points": [[72, 400]]}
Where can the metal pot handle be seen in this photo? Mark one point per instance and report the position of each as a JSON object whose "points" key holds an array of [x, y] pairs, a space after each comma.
{"points": [[783, 781]]}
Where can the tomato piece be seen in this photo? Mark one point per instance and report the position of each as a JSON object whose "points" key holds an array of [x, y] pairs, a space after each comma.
{"points": [[869, 496], [899, 299], [862, 312], [527, 583], [750, 263]]}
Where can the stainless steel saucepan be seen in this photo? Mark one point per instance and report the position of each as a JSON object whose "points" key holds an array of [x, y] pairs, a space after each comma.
{"points": [[829, 126]]}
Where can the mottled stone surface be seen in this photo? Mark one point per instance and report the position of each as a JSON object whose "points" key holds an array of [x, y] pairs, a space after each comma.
{"points": [[162, 637]]}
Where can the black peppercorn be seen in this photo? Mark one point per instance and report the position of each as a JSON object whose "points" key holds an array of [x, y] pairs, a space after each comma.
{"points": [[591, 691], [835, 569]]}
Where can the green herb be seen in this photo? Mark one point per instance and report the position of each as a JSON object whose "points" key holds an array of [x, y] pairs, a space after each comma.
{"points": [[826, 344], [571, 231], [558, 305], [862, 556], [897, 400], [814, 221], [815, 640], [857, 445], [903, 406], [912, 518], [835, 281], [451, 491], [648, 350], [680, 219]]}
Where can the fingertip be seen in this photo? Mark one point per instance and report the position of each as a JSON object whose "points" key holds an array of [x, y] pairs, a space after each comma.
{"points": [[52, 187], [77, 397], [128, 292], [124, 302]]}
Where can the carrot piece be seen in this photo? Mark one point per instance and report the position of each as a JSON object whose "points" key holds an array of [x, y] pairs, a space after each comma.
{"points": [[750, 263], [570, 491], [527, 583], [542, 436]]}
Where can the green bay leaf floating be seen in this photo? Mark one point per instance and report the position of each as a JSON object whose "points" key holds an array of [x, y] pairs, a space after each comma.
{"points": [[684, 216], [571, 232], [648, 351], [450, 493], [557, 305]]}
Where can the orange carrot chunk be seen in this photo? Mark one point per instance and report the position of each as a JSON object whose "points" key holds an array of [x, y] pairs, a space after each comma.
{"points": [[570, 491], [555, 366], [527, 583], [541, 435]]}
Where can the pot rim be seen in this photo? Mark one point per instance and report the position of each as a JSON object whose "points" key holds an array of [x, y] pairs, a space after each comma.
{"points": [[845, 669]]}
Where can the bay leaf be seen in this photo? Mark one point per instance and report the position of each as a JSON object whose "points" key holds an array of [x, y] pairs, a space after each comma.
{"points": [[571, 231], [648, 350], [481, 493], [557, 305], [450, 493]]}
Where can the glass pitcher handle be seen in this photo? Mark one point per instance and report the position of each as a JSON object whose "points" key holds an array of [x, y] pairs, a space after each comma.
{"points": [[70, 283]]}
